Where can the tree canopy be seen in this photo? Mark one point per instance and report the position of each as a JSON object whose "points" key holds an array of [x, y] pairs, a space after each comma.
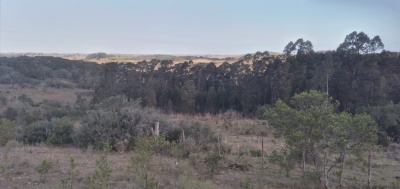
{"points": [[311, 128]]}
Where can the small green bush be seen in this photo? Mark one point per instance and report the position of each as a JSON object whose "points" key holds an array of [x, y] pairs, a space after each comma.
{"points": [[204, 137], [141, 164], [7, 131], [255, 152], [69, 180], [35, 132], [213, 162], [44, 168], [13, 143], [60, 131], [99, 179], [246, 183]]}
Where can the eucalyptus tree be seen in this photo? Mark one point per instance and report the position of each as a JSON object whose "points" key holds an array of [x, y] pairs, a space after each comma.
{"points": [[360, 43], [322, 138]]}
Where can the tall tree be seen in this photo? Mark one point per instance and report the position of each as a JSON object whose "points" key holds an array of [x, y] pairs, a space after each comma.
{"points": [[360, 43]]}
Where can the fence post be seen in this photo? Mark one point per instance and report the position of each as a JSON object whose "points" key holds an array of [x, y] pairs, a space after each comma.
{"points": [[157, 129]]}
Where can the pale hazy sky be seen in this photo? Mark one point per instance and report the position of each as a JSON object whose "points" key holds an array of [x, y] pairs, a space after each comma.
{"points": [[190, 26]]}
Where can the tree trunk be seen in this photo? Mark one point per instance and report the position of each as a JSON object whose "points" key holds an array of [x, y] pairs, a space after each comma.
{"points": [[304, 161], [341, 168], [369, 168], [326, 171]]}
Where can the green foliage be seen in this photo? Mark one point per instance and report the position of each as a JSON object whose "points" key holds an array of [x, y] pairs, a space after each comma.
{"points": [[69, 180], [285, 159], [356, 43], [98, 55], [312, 129], [117, 119], [141, 162], [99, 179], [299, 47], [52, 109], [35, 132], [44, 168], [255, 152], [13, 144], [246, 183], [187, 182], [388, 119], [48, 71], [60, 131], [7, 131], [199, 135], [213, 162], [194, 159], [10, 113], [57, 131]]}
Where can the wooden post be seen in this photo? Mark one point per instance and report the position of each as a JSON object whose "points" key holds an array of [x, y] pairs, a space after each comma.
{"points": [[262, 152], [183, 135], [369, 168], [327, 84], [219, 144], [157, 129]]}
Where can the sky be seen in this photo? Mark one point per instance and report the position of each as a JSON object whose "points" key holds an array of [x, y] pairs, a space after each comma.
{"points": [[190, 26]]}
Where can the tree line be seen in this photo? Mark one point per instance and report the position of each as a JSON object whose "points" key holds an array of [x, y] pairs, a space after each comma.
{"points": [[359, 74]]}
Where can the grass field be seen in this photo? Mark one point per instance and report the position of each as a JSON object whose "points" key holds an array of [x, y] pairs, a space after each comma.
{"points": [[19, 164], [242, 165], [41, 94]]}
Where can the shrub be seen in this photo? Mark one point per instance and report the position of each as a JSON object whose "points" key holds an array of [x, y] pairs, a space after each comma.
{"points": [[52, 109], [68, 181], [255, 152], [7, 131], [13, 144], [99, 179], [284, 159], [60, 131], [199, 131], [246, 183], [44, 168], [142, 163], [213, 161], [57, 131], [186, 147], [10, 113], [116, 119], [35, 132]]}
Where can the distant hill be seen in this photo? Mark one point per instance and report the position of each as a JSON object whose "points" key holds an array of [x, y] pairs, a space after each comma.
{"points": [[48, 71]]}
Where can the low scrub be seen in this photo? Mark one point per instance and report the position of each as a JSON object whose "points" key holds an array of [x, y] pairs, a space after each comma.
{"points": [[57, 131], [116, 119]]}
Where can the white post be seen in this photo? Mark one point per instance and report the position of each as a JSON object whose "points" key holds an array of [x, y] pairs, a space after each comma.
{"points": [[157, 129]]}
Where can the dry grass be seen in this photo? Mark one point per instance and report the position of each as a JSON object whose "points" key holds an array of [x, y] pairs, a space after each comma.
{"points": [[18, 164], [41, 94], [218, 59]]}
